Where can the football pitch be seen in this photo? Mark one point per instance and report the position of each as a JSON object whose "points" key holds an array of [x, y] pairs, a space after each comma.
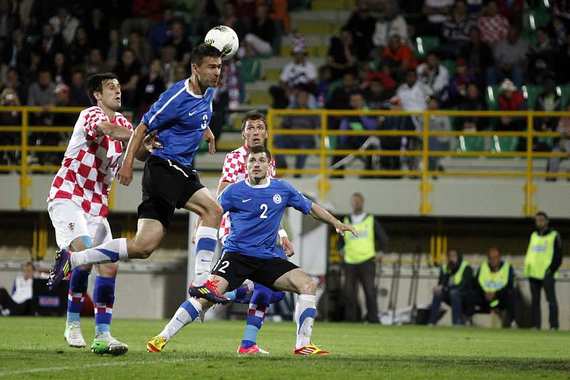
{"points": [[35, 348]]}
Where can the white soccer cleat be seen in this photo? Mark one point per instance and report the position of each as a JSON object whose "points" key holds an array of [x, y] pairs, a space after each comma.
{"points": [[107, 344], [73, 335]]}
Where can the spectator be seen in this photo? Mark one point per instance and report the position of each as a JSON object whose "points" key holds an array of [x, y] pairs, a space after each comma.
{"points": [[456, 29], [149, 88], [13, 82], [388, 24], [19, 301], [64, 24], [303, 122], [18, 54], [360, 260], [361, 25], [541, 57], [228, 96], [7, 20], [41, 91], [398, 56], [438, 123], [433, 74], [560, 146], [495, 287], [340, 97], [511, 99], [341, 55], [168, 63], [179, 39], [394, 143], [140, 47], [542, 261], [262, 32], [548, 101], [355, 123], [80, 47], [323, 85], [77, 91], [97, 28], [95, 62], [511, 10], [510, 59], [375, 94], [454, 287], [473, 101], [49, 44], [492, 25], [384, 75], [413, 93], [114, 49], [557, 31], [9, 98], [159, 32], [478, 55], [61, 70], [229, 18], [436, 12], [299, 72], [457, 90], [128, 71]]}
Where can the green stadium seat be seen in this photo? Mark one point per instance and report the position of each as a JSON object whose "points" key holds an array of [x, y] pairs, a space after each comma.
{"points": [[471, 144], [505, 144], [250, 70], [425, 44], [531, 93], [565, 94], [492, 97], [450, 66]]}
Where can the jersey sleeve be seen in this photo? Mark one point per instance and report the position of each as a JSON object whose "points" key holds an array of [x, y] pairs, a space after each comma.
{"points": [[297, 200], [161, 113], [92, 118], [225, 199], [231, 168]]}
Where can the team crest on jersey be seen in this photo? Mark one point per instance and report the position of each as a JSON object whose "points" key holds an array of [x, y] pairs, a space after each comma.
{"points": [[71, 226], [277, 199]]}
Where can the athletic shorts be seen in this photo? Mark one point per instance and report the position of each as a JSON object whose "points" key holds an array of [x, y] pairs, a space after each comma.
{"points": [[235, 268], [166, 185], [70, 221]]}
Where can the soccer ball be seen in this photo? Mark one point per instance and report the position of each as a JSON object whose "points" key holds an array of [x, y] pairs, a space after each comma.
{"points": [[224, 39]]}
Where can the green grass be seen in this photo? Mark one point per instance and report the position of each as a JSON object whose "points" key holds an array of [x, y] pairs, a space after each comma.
{"points": [[34, 348]]}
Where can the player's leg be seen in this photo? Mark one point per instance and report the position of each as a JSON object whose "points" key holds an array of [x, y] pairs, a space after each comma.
{"points": [[293, 279], [187, 313], [202, 203], [104, 297]]}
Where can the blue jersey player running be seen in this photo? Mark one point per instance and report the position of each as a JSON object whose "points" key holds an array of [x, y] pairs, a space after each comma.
{"points": [[180, 118], [256, 206]]}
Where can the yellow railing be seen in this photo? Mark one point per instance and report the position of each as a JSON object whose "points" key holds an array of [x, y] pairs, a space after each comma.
{"points": [[424, 153]]}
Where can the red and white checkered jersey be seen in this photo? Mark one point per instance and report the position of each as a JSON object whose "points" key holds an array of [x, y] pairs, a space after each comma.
{"points": [[89, 163], [234, 170]]}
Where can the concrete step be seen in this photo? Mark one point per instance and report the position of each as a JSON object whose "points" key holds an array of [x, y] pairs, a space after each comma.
{"points": [[314, 51], [328, 5], [318, 27], [329, 15]]}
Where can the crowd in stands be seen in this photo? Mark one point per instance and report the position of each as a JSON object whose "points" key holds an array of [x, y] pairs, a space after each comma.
{"points": [[410, 55]]}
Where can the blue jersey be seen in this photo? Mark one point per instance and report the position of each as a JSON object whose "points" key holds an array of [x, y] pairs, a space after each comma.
{"points": [[180, 117], [255, 215]]}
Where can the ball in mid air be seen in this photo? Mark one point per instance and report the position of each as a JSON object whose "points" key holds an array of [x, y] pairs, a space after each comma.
{"points": [[224, 39]]}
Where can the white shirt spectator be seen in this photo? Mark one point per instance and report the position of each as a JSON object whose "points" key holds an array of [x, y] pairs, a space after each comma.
{"points": [[294, 74], [67, 27], [435, 80], [441, 7], [387, 28], [22, 290], [413, 98]]}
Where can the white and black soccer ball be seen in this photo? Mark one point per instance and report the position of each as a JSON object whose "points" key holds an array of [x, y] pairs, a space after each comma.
{"points": [[224, 39]]}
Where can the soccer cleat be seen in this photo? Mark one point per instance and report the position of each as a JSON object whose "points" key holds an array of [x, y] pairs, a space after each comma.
{"points": [[209, 292], [106, 344], [251, 350], [73, 335], [156, 344], [310, 350], [61, 268]]}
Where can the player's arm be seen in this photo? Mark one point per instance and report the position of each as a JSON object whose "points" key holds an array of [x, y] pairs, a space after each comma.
{"points": [[114, 131], [323, 215], [150, 143], [125, 174]]}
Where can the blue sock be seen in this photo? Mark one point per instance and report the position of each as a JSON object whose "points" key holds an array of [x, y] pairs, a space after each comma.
{"points": [[104, 298], [76, 295], [256, 314]]}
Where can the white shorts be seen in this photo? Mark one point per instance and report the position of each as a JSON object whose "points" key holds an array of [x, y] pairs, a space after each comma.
{"points": [[71, 221]]}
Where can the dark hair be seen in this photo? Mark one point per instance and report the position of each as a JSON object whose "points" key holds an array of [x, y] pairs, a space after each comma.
{"points": [[201, 51], [260, 149], [253, 115], [358, 195], [95, 84], [542, 213]]}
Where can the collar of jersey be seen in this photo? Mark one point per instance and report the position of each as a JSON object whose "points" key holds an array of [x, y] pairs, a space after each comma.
{"points": [[189, 91], [262, 186]]}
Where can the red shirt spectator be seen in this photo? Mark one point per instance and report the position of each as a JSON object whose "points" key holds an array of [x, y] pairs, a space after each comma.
{"points": [[398, 54], [493, 26]]}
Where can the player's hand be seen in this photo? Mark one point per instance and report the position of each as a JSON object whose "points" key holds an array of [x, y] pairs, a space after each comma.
{"points": [[209, 137], [125, 175], [341, 228], [287, 246], [151, 142]]}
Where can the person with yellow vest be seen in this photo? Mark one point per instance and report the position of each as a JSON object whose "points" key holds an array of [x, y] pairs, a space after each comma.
{"points": [[454, 287], [496, 287], [360, 260], [543, 258]]}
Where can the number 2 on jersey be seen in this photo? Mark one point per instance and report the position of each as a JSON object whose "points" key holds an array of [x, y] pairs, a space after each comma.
{"points": [[264, 209]]}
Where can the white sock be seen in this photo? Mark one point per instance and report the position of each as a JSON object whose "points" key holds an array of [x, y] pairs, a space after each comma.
{"points": [[206, 239], [305, 313], [110, 251], [187, 312]]}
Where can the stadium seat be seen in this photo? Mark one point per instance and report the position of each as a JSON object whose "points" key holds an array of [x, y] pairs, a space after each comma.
{"points": [[531, 93], [471, 144], [505, 144], [424, 45], [565, 94], [450, 66], [250, 70], [492, 97]]}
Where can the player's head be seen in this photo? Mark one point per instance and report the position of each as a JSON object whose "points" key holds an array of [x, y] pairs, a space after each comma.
{"points": [[541, 220], [104, 90], [257, 162], [206, 64], [254, 129]]}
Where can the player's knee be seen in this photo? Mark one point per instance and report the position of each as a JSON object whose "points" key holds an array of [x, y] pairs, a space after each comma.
{"points": [[108, 270], [308, 286], [213, 215]]}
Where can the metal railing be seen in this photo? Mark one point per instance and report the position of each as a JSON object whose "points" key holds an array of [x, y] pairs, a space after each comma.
{"points": [[325, 151]]}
